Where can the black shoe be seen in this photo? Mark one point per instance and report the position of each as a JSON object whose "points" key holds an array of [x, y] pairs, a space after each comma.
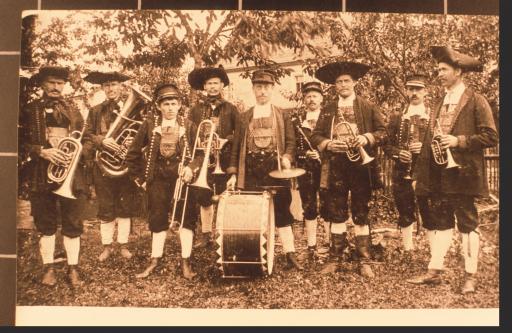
{"points": [[152, 265], [363, 250], [186, 268], [469, 284], [338, 244], [292, 261], [49, 277], [312, 256], [74, 277], [433, 276]]}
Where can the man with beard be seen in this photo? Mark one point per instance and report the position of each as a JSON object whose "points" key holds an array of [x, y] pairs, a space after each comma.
{"points": [[46, 121], [224, 115]]}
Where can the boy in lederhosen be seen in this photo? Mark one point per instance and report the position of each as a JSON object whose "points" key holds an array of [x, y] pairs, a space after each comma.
{"points": [[166, 136]]}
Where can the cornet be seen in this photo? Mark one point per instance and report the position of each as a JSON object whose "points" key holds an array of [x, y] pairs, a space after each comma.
{"points": [[354, 154], [441, 156]]}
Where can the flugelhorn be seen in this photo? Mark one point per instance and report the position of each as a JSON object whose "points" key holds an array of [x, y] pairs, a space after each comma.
{"points": [[123, 130], [441, 156], [354, 154], [65, 174]]}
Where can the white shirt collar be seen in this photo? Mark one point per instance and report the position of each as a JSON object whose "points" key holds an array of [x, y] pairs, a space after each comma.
{"points": [[416, 110], [453, 95], [168, 122], [310, 115], [262, 111], [349, 101]]}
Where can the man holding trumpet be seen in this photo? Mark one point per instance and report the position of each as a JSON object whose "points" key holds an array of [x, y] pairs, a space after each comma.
{"points": [[450, 168], [347, 133]]}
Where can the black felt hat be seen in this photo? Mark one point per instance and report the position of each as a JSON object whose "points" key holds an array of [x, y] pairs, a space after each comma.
{"points": [[97, 77], [330, 72], [456, 59], [199, 76], [311, 86], [55, 71], [166, 90]]}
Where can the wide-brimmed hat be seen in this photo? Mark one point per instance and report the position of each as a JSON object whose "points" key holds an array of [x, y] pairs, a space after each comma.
{"points": [[456, 59], [199, 76], [330, 72], [311, 86], [97, 77], [263, 76], [416, 80], [55, 71], [166, 90]]}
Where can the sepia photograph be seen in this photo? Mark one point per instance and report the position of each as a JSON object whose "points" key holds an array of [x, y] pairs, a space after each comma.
{"points": [[292, 160]]}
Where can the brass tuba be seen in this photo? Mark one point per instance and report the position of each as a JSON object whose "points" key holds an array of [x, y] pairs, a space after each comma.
{"points": [[65, 174], [123, 130], [441, 156], [354, 154]]}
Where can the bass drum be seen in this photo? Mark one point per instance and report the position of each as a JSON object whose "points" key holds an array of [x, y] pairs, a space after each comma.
{"points": [[246, 231]]}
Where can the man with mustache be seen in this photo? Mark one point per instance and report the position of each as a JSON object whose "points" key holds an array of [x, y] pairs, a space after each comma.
{"points": [[340, 175], [405, 131], [224, 115], [115, 194], [45, 122], [304, 122], [462, 122]]}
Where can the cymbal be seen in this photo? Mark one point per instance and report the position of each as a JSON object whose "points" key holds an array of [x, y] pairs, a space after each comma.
{"points": [[287, 173]]}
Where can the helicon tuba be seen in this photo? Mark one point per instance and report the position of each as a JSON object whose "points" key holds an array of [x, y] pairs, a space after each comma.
{"points": [[441, 156], [354, 154], [123, 129]]}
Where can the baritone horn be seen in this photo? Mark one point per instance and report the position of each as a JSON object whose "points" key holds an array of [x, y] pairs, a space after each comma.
{"points": [[354, 154], [123, 131], [441, 156]]}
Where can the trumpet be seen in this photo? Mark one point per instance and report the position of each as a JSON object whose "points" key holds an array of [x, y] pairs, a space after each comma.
{"points": [[441, 156], [65, 174], [354, 154]]}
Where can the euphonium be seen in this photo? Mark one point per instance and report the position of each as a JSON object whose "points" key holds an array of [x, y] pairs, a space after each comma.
{"points": [[441, 156], [353, 153], [64, 175], [123, 130]]}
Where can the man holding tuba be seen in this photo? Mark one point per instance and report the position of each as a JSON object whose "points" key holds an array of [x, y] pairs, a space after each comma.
{"points": [[347, 132], [406, 129], [224, 115], [168, 139], [115, 195], [47, 121], [450, 168]]}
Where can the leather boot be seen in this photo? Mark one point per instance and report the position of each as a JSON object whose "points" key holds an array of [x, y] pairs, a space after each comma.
{"points": [[107, 251], [152, 265], [186, 268], [74, 277], [469, 284], [338, 245], [312, 253], [292, 261], [49, 277], [363, 250], [125, 253], [203, 241], [433, 276]]}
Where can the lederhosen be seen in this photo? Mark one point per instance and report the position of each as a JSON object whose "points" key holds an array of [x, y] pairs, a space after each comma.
{"points": [[116, 195], [47, 208], [165, 147], [402, 189], [261, 158], [444, 194], [223, 114], [309, 183]]}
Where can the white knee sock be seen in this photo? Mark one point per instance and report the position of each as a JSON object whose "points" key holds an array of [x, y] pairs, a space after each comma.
{"points": [[107, 232], [311, 232], [407, 240], [206, 218], [123, 229], [72, 246], [286, 235], [441, 241], [47, 248], [157, 244], [338, 228], [430, 238], [186, 239], [361, 230], [470, 248]]}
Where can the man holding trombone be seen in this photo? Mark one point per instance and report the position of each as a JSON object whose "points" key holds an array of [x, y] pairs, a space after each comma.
{"points": [[450, 168], [224, 115], [46, 123], [347, 133], [405, 131]]}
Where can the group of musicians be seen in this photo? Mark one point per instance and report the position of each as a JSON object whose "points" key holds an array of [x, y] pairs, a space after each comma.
{"points": [[438, 154]]}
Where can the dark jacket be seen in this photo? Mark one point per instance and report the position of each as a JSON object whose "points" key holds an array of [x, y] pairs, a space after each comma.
{"points": [[285, 142], [474, 126], [32, 121], [369, 121]]}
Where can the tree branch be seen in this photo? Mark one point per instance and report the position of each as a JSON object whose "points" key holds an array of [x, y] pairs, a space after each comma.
{"points": [[216, 34], [189, 34]]}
